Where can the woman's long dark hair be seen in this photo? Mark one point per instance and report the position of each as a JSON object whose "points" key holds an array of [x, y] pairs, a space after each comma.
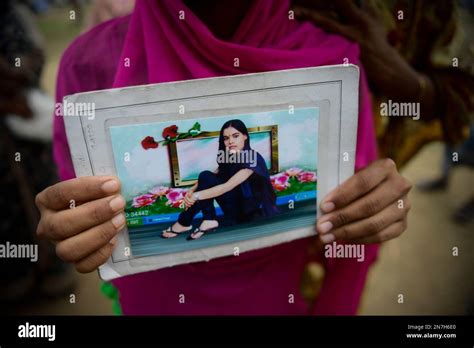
{"points": [[240, 126], [264, 189]]}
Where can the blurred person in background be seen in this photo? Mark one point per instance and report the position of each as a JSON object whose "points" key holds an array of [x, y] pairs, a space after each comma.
{"points": [[454, 156], [465, 151], [26, 164], [413, 51]]}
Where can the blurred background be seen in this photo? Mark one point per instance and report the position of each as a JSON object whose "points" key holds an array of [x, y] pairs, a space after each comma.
{"points": [[431, 264]]}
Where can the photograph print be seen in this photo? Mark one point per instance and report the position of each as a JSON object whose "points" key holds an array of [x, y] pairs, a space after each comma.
{"points": [[209, 181]]}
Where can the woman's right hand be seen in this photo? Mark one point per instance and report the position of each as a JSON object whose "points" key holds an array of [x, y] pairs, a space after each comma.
{"points": [[82, 216], [188, 199]]}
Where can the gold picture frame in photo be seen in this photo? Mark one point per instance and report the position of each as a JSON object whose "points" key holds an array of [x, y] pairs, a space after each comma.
{"points": [[173, 152]]}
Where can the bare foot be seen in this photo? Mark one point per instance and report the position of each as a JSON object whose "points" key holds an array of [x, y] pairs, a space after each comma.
{"points": [[208, 224]]}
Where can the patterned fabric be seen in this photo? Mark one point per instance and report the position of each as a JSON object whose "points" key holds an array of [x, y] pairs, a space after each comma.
{"points": [[433, 36]]}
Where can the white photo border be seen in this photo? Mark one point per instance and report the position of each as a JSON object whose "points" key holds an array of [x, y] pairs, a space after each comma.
{"points": [[333, 89]]}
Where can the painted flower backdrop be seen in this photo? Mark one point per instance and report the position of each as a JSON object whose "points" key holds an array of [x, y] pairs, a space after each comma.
{"points": [[293, 180], [165, 200]]}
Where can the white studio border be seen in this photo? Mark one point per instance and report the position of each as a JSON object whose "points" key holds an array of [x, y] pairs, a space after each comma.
{"points": [[334, 89]]}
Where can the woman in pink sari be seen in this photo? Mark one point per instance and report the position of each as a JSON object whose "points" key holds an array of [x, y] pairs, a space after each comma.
{"points": [[169, 40]]}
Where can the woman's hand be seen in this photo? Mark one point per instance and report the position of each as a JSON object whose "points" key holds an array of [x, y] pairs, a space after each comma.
{"points": [[189, 199], [82, 216], [369, 207]]}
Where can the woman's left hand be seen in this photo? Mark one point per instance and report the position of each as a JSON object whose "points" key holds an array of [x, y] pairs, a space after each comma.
{"points": [[370, 207]]}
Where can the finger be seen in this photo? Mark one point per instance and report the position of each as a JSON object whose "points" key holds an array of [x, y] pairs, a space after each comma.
{"points": [[369, 226], [83, 244], [372, 203], [358, 185], [67, 223], [96, 259], [390, 232], [326, 23], [77, 190]]}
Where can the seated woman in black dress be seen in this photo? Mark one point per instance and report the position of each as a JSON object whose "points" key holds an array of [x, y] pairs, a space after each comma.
{"points": [[243, 190]]}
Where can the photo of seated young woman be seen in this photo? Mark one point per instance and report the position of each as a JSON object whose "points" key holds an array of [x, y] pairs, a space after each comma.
{"points": [[241, 187]]}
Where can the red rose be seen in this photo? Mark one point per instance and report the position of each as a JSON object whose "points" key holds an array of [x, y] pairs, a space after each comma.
{"points": [[171, 132], [149, 143]]}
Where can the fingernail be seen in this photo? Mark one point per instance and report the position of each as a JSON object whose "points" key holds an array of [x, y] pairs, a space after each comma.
{"points": [[327, 238], [117, 203], [325, 227], [110, 186], [118, 220], [328, 207]]}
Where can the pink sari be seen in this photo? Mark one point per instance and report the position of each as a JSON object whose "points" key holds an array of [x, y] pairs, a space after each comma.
{"points": [[161, 47]]}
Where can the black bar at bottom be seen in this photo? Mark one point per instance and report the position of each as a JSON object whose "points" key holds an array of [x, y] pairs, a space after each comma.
{"points": [[103, 330]]}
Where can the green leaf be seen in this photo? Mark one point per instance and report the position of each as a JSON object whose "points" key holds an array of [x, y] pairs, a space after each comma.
{"points": [[196, 127]]}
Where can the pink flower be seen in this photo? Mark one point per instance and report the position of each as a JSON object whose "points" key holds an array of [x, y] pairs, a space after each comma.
{"points": [[280, 181], [159, 190], [175, 197], [307, 177], [143, 200], [294, 171]]}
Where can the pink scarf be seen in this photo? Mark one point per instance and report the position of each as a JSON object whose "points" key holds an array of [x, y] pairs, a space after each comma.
{"points": [[161, 47]]}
